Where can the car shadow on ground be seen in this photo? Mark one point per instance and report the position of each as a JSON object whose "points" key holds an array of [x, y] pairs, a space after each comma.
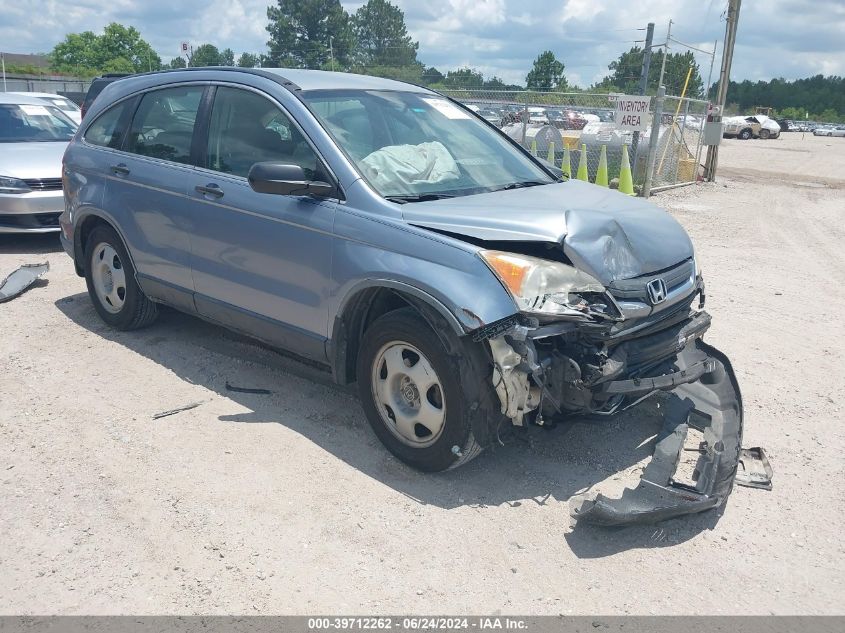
{"points": [[537, 466], [30, 243]]}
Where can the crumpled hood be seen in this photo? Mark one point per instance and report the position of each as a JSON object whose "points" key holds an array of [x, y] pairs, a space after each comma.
{"points": [[32, 160], [603, 232]]}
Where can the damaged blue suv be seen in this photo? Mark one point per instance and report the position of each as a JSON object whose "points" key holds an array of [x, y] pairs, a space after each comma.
{"points": [[392, 235]]}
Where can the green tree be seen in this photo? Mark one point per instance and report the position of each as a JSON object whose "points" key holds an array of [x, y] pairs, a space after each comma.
{"points": [[829, 115], [77, 52], [463, 78], [302, 32], [206, 55], [431, 75], [118, 49], [626, 71], [178, 62], [248, 60], [227, 57], [382, 37], [814, 95], [547, 73]]}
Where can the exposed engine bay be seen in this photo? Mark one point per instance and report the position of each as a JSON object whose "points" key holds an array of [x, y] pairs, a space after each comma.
{"points": [[604, 364]]}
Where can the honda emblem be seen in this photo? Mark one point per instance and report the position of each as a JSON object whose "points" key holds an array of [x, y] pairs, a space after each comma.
{"points": [[656, 291]]}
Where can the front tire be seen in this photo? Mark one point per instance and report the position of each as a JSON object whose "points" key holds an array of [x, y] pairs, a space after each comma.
{"points": [[110, 277], [414, 395], [745, 134]]}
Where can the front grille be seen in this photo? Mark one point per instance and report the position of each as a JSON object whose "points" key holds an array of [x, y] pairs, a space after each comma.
{"points": [[634, 289], [44, 184]]}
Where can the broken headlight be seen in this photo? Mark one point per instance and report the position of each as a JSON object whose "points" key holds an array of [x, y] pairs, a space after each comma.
{"points": [[544, 287]]}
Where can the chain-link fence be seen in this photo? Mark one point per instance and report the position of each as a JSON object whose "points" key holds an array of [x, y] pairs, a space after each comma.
{"points": [[679, 147], [577, 125], [71, 87], [554, 124]]}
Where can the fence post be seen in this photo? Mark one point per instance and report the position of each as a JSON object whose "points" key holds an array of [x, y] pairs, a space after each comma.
{"points": [[524, 118], [653, 139]]}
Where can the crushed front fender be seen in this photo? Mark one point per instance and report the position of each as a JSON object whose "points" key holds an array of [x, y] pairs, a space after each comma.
{"points": [[712, 404]]}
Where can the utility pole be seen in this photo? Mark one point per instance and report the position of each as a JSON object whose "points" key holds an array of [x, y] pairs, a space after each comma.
{"points": [[643, 87], [3, 59], [665, 54], [649, 38], [656, 118], [331, 51], [724, 80]]}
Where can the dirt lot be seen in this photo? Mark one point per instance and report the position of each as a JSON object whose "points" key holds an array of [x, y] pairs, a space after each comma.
{"points": [[288, 504]]}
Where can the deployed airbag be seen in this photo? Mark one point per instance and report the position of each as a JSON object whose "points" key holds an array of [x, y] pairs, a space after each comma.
{"points": [[396, 168]]}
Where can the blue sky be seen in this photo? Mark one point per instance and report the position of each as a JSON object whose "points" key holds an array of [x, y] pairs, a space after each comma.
{"points": [[789, 38]]}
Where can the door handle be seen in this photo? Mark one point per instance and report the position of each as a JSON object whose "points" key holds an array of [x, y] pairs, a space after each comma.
{"points": [[210, 190], [121, 169]]}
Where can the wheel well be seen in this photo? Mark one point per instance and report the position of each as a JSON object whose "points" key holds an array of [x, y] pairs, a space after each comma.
{"points": [[82, 233], [358, 315]]}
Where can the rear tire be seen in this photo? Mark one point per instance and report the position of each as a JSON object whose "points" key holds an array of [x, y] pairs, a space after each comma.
{"points": [[110, 277], [414, 394]]}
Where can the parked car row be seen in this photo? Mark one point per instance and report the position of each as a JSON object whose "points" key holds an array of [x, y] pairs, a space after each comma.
{"points": [[566, 118], [809, 126], [829, 130]]}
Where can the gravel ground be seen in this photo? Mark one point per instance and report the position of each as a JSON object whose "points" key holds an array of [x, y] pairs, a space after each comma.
{"points": [[288, 504]]}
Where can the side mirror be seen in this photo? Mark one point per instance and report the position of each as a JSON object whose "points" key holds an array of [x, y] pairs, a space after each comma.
{"points": [[286, 180]]}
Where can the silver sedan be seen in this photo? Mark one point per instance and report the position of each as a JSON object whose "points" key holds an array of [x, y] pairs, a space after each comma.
{"points": [[33, 138]]}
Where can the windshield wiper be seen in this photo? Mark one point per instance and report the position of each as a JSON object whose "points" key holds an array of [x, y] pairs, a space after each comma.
{"points": [[420, 197], [520, 185]]}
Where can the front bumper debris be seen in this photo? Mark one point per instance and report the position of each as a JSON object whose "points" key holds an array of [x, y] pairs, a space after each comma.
{"points": [[708, 400], [21, 279]]}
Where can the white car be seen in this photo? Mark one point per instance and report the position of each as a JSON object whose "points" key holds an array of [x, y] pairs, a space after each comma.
{"points": [[769, 128], [70, 109], [746, 127], [538, 115], [830, 130]]}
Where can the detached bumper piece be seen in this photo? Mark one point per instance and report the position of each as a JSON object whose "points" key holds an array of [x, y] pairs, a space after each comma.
{"points": [[21, 279], [708, 400], [754, 469]]}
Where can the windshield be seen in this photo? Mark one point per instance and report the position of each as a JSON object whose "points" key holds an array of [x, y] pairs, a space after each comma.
{"points": [[415, 146], [24, 123]]}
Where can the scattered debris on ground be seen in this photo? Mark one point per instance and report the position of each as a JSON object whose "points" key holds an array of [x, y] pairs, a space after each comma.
{"points": [[21, 279], [754, 469], [247, 389], [187, 407]]}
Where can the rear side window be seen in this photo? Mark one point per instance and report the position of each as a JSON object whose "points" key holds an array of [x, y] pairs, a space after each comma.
{"points": [[164, 123], [106, 130]]}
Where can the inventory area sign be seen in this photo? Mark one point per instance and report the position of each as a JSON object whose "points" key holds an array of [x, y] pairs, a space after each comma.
{"points": [[632, 113]]}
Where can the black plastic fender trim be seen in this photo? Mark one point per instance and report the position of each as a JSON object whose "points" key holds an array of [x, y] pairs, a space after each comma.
{"points": [[716, 402]]}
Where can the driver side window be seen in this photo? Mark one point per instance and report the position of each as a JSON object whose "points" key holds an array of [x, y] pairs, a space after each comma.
{"points": [[247, 128]]}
